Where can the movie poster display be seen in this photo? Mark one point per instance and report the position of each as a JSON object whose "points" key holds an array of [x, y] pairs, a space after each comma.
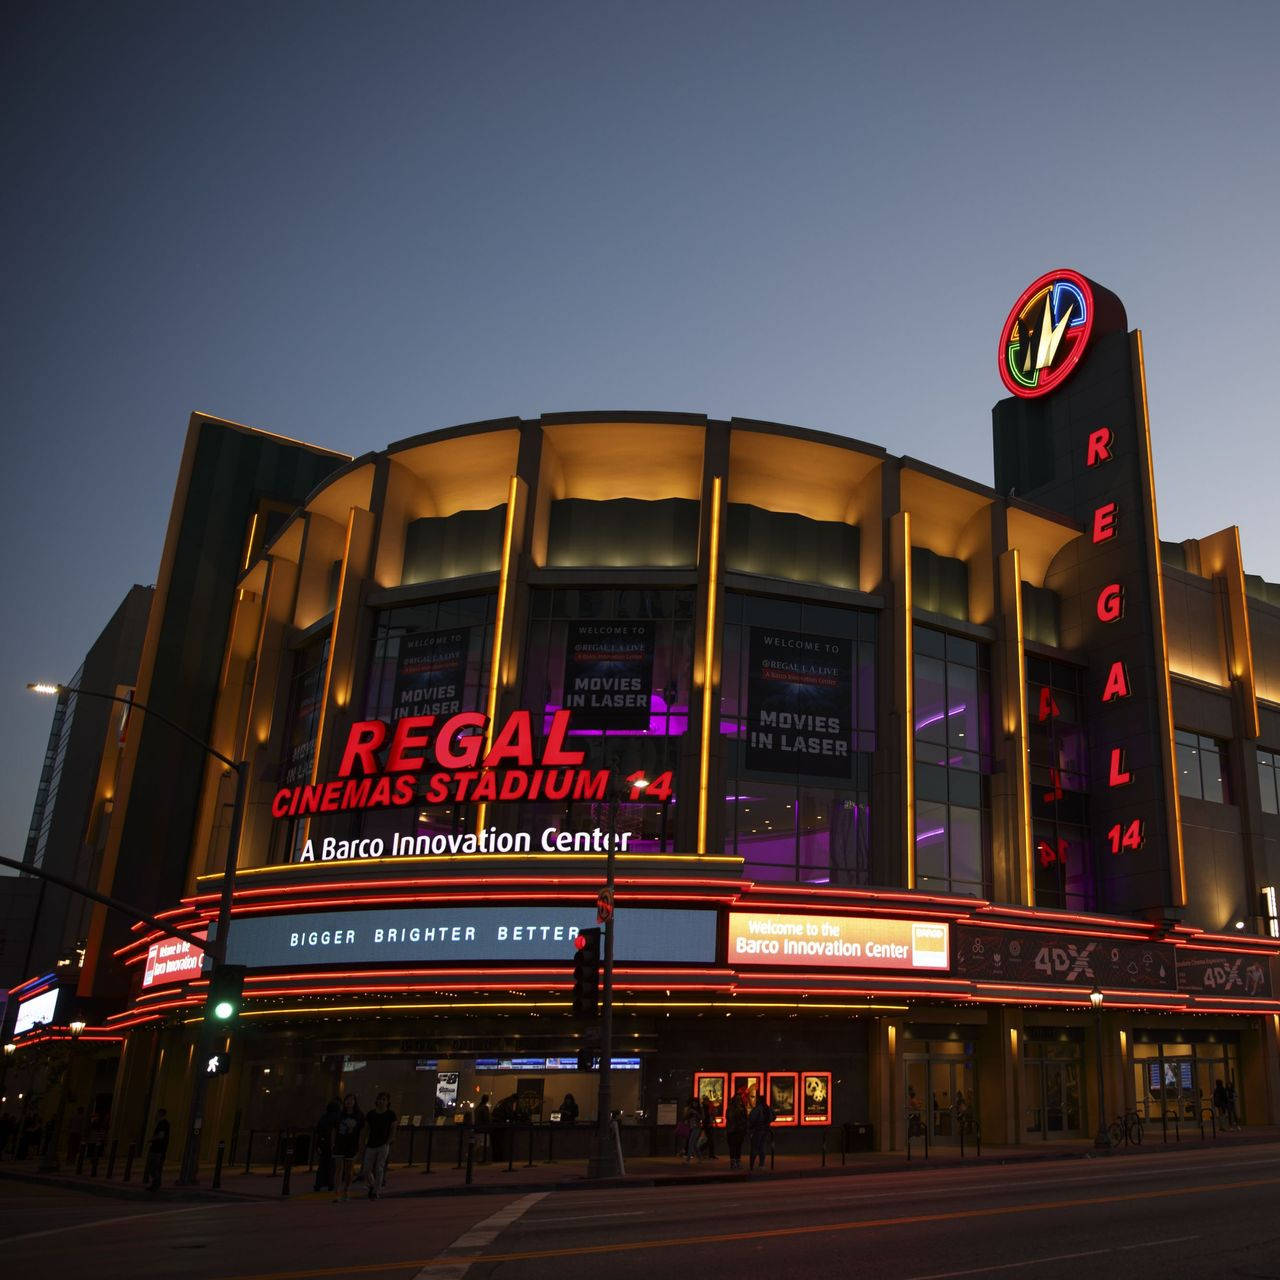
{"points": [[799, 703], [431, 673], [751, 1081], [815, 1089], [608, 674], [710, 1086], [782, 1097]]}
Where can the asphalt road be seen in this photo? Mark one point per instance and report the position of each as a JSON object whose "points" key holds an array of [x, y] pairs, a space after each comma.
{"points": [[1187, 1214]]}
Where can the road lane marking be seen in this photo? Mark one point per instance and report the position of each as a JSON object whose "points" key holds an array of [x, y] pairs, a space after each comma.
{"points": [[456, 1260], [1008, 1266], [428, 1269], [1057, 1257], [108, 1222]]}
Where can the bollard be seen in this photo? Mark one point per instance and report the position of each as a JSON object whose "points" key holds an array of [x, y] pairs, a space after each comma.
{"points": [[275, 1159], [773, 1153], [1164, 1125], [80, 1154], [431, 1133], [235, 1142], [926, 1142], [217, 1164], [529, 1165], [462, 1132], [551, 1144], [412, 1134], [824, 1148], [93, 1164], [288, 1165], [111, 1158], [128, 1162], [471, 1147], [961, 1141], [511, 1150], [248, 1151], [977, 1139]]}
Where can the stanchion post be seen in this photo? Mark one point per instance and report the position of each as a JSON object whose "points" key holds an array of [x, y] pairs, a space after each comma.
{"points": [[288, 1166], [128, 1162], [471, 1149], [511, 1149], [431, 1133], [217, 1164], [111, 1158], [412, 1134], [824, 1148], [248, 1151], [551, 1144], [462, 1133], [530, 1164]]}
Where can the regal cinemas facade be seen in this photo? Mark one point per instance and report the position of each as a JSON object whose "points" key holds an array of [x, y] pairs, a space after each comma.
{"points": [[897, 769]]}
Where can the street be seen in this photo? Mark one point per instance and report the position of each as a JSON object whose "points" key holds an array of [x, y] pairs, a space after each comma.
{"points": [[1194, 1214]]}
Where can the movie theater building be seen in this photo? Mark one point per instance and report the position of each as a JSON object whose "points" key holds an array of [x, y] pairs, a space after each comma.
{"points": [[898, 769]]}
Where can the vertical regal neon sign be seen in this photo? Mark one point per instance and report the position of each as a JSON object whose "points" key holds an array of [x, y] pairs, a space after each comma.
{"points": [[1081, 453]]}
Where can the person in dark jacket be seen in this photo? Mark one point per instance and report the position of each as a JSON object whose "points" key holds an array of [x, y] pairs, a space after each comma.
{"points": [[346, 1141], [326, 1130], [484, 1123], [709, 1128], [758, 1122], [735, 1126], [569, 1110], [157, 1151]]}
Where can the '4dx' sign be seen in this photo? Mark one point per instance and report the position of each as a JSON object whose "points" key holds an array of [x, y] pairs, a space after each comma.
{"points": [[1068, 962]]}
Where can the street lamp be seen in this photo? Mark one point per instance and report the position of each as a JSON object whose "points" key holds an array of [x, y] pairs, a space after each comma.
{"points": [[1101, 1141], [605, 1162], [217, 949]]}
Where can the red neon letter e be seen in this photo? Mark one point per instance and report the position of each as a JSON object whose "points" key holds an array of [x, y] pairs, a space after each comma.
{"points": [[1104, 522], [1110, 602], [1099, 446]]}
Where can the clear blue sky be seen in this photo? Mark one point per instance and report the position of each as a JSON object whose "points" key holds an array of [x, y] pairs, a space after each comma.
{"points": [[354, 222]]}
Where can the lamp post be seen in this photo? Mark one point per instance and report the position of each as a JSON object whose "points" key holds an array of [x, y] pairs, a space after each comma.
{"points": [[216, 951], [1100, 1141], [605, 1162]]}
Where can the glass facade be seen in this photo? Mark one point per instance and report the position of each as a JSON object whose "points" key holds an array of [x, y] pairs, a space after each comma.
{"points": [[953, 763], [1201, 764], [621, 659], [1058, 757], [797, 725], [1269, 779], [306, 689]]}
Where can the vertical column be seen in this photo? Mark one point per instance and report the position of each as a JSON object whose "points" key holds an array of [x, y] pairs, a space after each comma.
{"points": [[1015, 880], [902, 676], [709, 667]]}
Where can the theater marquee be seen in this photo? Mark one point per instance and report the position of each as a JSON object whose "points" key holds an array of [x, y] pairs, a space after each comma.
{"points": [[837, 942]]}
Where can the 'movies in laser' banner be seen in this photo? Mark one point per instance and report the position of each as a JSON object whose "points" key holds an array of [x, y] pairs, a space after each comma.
{"points": [[837, 942]]}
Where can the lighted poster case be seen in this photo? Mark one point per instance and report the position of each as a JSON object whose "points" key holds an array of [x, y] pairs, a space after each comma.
{"points": [[752, 1081], [815, 1097], [710, 1086], [782, 1097]]}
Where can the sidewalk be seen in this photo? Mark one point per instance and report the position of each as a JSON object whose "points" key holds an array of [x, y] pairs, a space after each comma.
{"points": [[405, 1181]]}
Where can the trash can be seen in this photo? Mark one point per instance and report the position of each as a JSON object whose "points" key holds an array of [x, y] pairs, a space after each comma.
{"points": [[861, 1137], [301, 1148]]}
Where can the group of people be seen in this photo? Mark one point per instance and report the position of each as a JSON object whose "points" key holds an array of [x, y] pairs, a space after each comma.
{"points": [[21, 1137], [1224, 1103], [743, 1120], [345, 1134]]}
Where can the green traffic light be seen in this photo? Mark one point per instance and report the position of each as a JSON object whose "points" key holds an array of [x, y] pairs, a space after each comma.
{"points": [[223, 1009]]}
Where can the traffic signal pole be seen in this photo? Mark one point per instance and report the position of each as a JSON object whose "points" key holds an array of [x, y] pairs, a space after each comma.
{"points": [[604, 1163]]}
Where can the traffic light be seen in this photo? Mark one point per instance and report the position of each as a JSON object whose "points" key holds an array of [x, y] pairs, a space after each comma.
{"points": [[222, 1004], [586, 973]]}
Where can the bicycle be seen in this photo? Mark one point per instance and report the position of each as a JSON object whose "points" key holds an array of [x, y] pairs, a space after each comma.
{"points": [[1126, 1130]]}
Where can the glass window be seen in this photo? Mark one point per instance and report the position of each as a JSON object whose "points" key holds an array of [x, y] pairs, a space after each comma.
{"points": [[953, 761], [1057, 754], [1201, 767], [797, 715], [1269, 780]]}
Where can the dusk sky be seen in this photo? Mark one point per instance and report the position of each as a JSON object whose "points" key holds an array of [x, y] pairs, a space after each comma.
{"points": [[350, 223]]}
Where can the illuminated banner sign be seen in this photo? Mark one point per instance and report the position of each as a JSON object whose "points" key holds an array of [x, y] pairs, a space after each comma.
{"points": [[496, 935], [37, 1011], [431, 673], [799, 703], [1223, 973], [1032, 958], [172, 960], [836, 942], [430, 759], [608, 674]]}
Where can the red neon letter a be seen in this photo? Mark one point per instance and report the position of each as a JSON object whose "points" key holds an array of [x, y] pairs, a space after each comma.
{"points": [[1117, 683]]}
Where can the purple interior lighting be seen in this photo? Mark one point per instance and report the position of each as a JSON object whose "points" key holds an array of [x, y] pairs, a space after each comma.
{"points": [[942, 715]]}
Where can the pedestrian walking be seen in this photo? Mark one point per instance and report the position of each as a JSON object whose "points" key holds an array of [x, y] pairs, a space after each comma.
{"points": [[326, 1130], [157, 1149], [483, 1123], [692, 1130], [709, 1129], [346, 1141], [735, 1126], [1233, 1120], [758, 1122], [381, 1122], [1220, 1103]]}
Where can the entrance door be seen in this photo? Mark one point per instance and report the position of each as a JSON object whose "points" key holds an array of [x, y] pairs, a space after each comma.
{"points": [[937, 1088], [1053, 1096]]}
